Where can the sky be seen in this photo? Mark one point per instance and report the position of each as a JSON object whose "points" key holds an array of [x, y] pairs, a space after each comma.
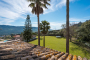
{"points": [[14, 12]]}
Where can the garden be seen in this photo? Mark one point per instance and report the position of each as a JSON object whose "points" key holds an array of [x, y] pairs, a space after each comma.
{"points": [[60, 44]]}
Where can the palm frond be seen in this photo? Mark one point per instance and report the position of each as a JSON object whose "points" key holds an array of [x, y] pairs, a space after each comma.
{"points": [[47, 3], [41, 10], [33, 10], [45, 0], [44, 5], [48, 0], [38, 5], [31, 0], [44, 27], [32, 5]]}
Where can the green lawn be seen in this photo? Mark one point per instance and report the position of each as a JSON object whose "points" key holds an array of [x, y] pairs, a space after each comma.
{"points": [[60, 45]]}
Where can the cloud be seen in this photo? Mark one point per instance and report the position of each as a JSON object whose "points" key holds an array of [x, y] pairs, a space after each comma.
{"points": [[55, 4], [62, 3], [14, 9], [35, 24], [76, 19], [55, 25], [51, 8], [11, 10]]}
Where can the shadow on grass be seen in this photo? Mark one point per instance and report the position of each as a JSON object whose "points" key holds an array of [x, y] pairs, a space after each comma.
{"points": [[33, 40], [83, 48], [61, 37], [75, 49], [41, 38]]}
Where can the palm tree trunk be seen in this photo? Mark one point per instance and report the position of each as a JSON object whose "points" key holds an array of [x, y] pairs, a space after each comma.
{"points": [[70, 39], [38, 32], [67, 27], [44, 41]]}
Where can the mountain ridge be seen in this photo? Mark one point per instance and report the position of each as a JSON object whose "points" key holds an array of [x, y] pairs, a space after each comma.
{"points": [[8, 29]]}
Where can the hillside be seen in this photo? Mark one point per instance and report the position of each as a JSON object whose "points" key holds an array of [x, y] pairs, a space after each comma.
{"points": [[7, 29]]}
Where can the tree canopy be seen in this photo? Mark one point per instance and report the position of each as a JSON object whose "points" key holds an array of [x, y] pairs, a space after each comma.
{"points": [[44, 26], [27, 30], [38, 5], [84, 31]]}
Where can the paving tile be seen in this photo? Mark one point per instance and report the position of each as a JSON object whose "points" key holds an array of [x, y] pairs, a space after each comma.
{"points": [[19, 50]]}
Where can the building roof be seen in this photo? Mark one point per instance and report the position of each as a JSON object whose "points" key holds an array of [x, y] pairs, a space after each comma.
{"points": [[28, 51], [16, 36]]}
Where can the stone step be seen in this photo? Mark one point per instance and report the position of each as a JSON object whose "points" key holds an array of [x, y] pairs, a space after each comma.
{"points": [[58, 55], [80, 58], [74, 57], [26, 58], [7, 56], [85, 58], [63, 57], [69, 57], [7, 53], [48, 55]]}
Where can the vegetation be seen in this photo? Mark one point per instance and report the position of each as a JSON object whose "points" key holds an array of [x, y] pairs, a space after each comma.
{"points": [[62, 32], [33, 33], [12, 36], [60, 44], [37, 8], [52, 33], [6, 37], [83, 33], [27, 30], [72, 31], [79, 31], [44, 26]]}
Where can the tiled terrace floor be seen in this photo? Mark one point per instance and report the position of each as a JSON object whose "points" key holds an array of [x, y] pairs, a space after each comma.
{"points": [[24, 51]]}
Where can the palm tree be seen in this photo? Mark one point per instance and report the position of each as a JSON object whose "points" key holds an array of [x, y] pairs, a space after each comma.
{"points": [[67, 27], [37, 8], [44, 26]]}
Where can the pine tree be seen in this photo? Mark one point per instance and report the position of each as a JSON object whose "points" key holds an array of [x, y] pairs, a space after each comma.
{"points": [[27, 30]]}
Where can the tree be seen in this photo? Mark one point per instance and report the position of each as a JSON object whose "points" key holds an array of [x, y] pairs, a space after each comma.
{"points": [[12, 35], [21, 35], [84, 31], [63, 29], [34, 33], [37, 8], [67, 27], [27, 30], [71, 30], [44, 27]]}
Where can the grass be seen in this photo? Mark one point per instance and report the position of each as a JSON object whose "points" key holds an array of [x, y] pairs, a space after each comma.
{"points": [[60, 44]]}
